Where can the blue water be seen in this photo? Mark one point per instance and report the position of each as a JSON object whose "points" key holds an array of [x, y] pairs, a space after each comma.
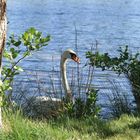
{"points": [[113, 23]]}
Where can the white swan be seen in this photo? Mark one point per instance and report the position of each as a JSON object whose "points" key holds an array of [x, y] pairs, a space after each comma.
{"points": [[68, 54], [48, 106]]}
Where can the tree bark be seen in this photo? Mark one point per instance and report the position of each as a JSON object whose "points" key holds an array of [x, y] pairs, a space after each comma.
{"points": [[3, 28]]}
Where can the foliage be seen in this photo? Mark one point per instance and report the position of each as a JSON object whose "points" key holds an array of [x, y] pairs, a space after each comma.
{"points": [[83, 109], [125, 63], [17, 49]]}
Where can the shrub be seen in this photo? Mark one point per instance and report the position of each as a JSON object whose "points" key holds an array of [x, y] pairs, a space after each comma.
{"points": [[125, 63]]}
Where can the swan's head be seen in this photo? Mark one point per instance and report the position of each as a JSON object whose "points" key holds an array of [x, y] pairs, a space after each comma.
{"points": [[70, 54]]}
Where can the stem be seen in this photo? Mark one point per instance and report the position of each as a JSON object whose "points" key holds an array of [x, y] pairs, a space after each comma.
{"points": [[90, 74], [78, 67], [13, 67]]}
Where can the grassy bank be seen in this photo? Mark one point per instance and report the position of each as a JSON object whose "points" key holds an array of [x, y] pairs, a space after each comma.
{"points": [[17, 127]]}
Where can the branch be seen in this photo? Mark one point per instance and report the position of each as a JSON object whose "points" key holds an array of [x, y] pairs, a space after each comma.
{"points": [[13, 67]]}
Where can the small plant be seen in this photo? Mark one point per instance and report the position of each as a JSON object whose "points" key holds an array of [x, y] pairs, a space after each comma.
{"points": [[81, 108], [17, 49], [91, 104]]}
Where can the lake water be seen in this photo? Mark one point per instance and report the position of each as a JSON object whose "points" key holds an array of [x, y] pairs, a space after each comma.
{"points": [[113, 23]]}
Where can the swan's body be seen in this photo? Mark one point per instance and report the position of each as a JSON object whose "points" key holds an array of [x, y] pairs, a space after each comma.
{"points": [[68, 54]]}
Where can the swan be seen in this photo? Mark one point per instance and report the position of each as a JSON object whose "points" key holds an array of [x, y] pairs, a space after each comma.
{"points": [[44, 105], [68, 54]]}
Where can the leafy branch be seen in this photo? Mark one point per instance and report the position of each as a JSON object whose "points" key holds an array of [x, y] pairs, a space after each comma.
{"points": [[17, 49]]}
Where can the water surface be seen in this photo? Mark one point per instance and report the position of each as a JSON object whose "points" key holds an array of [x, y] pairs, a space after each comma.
{"points": [[113, 23]]}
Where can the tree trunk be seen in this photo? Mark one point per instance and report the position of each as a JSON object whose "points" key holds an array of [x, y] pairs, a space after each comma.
{"points": [[3, 27], [0, 114]]}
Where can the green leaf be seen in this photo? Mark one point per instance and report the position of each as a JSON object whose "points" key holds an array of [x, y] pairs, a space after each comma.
{"points": [[17, 43], [18, 68], [27, 53], [7, 55], [12, 50], [15, 54]]}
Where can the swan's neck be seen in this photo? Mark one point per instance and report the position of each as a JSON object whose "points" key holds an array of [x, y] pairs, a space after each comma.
{"points": [[64, 77]]}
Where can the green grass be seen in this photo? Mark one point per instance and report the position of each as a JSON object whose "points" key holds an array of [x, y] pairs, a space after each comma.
{"points": [[17, 127]]}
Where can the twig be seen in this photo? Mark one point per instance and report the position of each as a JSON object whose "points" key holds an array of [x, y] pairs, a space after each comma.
{"points": [[78, 67], [13, 67]]}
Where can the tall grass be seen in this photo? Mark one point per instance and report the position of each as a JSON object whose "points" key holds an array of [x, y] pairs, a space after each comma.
{"points": [[18, 127], [119, 102]]}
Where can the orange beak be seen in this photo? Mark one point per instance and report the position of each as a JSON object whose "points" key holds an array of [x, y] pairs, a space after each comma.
{"points": [[76, 59]]}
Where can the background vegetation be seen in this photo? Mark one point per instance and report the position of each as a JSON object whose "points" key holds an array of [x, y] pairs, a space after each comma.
{"points": [[73, 120]]}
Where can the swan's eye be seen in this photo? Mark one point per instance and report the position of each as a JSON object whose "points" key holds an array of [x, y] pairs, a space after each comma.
{"points": [[75, 58]]}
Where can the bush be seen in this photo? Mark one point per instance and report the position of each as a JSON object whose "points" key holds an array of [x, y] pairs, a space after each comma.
{"points": [[125, 63]]}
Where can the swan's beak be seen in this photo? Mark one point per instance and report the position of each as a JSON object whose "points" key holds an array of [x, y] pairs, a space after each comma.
{"points": [[76, 59]]}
